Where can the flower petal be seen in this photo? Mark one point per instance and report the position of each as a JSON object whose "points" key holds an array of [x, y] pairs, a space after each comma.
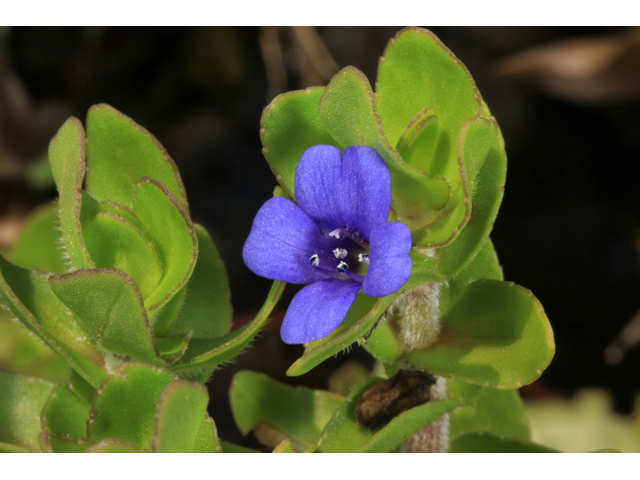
{"points": [[317, 310], [282, 240], [389, 262], [351, 191]]}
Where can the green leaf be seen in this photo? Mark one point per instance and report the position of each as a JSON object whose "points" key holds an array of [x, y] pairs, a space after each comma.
{"points": [[171, 230], [203, 355], [487, 410], [30, 299], [231, 448], [486, 202], [181, 411], [474, 143], [485, 265], [37, 247], [490, 443], [109, 306], [290, 125], [20, 404], [125, 406], [66, 155], [356, 324], [114, 242], [418, 71], [207, 311], [65, 414], [495, 334], [207, 440], [120, 152], [417, 145], [82, 388], [383, 344], [51, 444], [342, 434], [300, 414], [113, 445], [348, 112], [23, 353]]}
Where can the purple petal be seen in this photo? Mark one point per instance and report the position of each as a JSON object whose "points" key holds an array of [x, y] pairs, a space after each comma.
{"points": [[389, 262], [282, 240], [317, 310], [351, 191]]}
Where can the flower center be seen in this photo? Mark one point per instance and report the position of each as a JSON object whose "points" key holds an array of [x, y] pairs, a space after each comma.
{"points": [[347, 256]]}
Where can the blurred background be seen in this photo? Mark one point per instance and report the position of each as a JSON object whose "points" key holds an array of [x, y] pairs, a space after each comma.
{"points": [[568, 103]]}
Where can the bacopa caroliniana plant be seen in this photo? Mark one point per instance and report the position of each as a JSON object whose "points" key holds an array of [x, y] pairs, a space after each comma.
{"points": [[384, 210]]}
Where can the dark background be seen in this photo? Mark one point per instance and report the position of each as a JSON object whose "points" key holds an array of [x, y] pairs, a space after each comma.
{"points": [[568, 226]]}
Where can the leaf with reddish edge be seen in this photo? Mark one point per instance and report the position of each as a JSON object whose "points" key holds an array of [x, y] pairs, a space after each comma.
{"points": [[416, 71], [113, 445], [125, 405], [66, 156], [20, 404], [115, 242], [28, 296], [120, 152], [172, 231], [109, 306], [290, 124], [207, 440], [181, 411], [475, 141], [348, 112], [261, 403], [65, 414]]}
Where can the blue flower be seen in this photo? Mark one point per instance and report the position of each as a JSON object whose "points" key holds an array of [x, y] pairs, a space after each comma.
{"points": [[337, 239]]}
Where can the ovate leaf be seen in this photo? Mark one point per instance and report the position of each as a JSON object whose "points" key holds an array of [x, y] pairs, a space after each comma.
{"points": [[290, 125], [418, 71], [180, 413], [120, 152], [65, 414], [487, 410], [125, 406], [109, 305], [280, 411], [495, 334]]}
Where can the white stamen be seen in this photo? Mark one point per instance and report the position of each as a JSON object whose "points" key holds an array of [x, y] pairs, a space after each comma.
{"points": [[340, 253], [314, 260], [343, 267], [363, 258], [335, 233]]}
